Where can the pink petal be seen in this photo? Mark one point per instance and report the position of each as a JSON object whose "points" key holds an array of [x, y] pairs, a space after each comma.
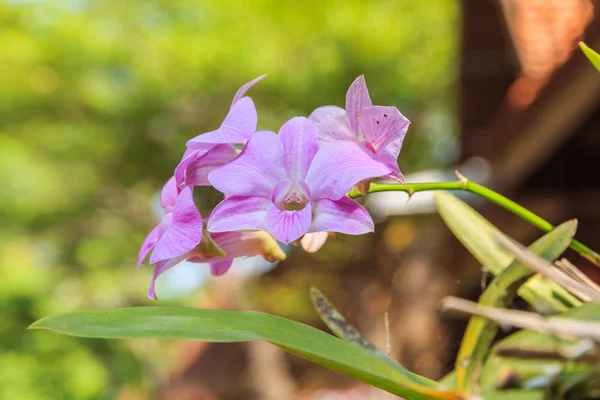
{"points": [[242, 91], [238, 213], [231, 243], [332, 124], [392, 162], [339, 166], [299, 138], [169, 193], [312, 242], [185, 231], [249, 243], [383, 128], [287, 226], [197, 168], [344, 215], [149, 242], [357, 98], [238, 126], [189, 157], [218, 268], [161, 267], [255, 171]]}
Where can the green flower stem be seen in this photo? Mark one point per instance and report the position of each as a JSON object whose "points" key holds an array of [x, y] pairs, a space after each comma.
{"points": [[472, 187]]}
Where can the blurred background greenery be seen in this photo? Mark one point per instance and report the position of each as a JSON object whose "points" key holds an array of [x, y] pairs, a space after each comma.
{"points": [[97, 99]]}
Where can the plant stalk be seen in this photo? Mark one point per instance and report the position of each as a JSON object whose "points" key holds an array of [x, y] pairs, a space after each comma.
{"points": [[463, 184]]}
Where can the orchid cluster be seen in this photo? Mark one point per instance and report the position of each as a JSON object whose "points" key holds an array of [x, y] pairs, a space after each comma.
{"points": [[289, 187]]}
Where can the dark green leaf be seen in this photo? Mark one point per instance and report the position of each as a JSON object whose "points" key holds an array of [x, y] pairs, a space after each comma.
{"points": [[531, 370], [341, 328], [501, 292], [591, 55], [238, 326], [478, 235]]}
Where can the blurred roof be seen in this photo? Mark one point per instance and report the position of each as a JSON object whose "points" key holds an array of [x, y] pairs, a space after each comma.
{"points": [[544, 34], [524, 89]]}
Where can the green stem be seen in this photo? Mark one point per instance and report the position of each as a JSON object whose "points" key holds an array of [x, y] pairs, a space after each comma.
{"points": [[472, 187]]}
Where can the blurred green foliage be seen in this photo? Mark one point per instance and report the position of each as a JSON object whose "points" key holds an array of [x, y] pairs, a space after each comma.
{"points": [[97, 99]]}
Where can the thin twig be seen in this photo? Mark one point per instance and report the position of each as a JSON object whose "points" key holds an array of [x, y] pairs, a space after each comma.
{"points": [[388, 339], [543, 267], [559, 326], [581, 351], [576, 274], [469, 186]]}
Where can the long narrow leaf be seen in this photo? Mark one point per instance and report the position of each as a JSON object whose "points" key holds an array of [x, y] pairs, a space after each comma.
{"points": [[238, 326], [591, 55], [496, 366], [501, 292], [479, 236], [342, 329]]}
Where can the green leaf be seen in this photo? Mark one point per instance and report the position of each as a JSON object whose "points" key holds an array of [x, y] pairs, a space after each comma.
{"points": [[478, 235], [240, 326], [342, 329], [338, 324], [512, 395], [591, 55], [570, 373], [449, 381], [501, 292]]}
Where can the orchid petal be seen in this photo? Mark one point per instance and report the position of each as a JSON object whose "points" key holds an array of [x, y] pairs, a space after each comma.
{"points": [[392, 162], [242, 90], [189, 157], [249, 243], [287, 226], [168, 194], [218, 268], [193, 258], [239, 213], [312, 242], [161, 267], [383, 128], [332, 124], [255, 171], [185, 231], [181, 168], [299, 138], [197, 170], [344, 215], [238, 126], [339, 166], [357, 98], [151, 240]]}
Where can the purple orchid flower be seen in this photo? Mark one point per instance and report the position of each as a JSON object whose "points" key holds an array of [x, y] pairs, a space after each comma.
{"points": [[221, 253], [180, 229], [379, 129], [286, 185], [211, 149]]}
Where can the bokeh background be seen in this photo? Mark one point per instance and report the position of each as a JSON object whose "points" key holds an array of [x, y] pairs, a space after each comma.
{"points": [[97, 100]]}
